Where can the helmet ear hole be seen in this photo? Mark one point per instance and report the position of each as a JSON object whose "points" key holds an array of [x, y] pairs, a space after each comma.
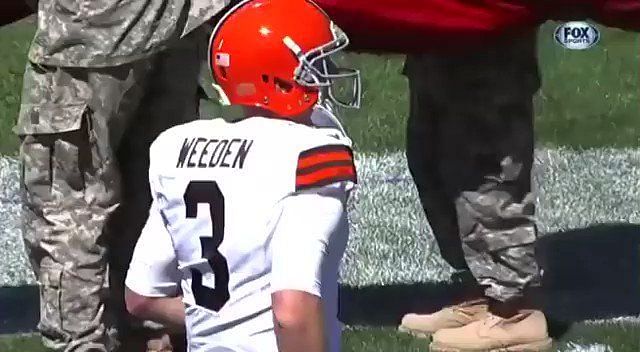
{"points": [[223, 72], [282, 85], [265, 78]]}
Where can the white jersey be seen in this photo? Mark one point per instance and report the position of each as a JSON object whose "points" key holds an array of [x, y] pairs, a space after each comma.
{"points": [[245, 207]]}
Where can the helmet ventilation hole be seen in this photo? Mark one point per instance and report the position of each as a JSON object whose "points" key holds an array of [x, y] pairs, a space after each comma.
{"points": [[265, 78]]}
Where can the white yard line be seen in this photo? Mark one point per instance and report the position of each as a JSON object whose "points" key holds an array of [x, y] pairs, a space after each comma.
{"points": [[390, 241], [596, 347]]}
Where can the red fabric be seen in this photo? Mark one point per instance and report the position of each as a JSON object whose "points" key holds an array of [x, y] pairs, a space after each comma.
{"points": [[414, 26], [624, 14], [404, 26], [13, 10]]}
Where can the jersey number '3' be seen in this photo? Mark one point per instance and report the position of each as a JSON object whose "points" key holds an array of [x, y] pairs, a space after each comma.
{"points": [[209, 193]]}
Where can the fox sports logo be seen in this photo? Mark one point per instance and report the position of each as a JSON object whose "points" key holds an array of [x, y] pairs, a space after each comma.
{"points": [[577, 35]]}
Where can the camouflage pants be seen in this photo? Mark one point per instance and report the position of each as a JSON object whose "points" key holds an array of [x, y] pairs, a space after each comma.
{"points": [[470, 152], [85, 137]]}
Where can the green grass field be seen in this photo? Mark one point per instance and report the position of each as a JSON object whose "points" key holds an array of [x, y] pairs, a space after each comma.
{"points": [[589, 99]]}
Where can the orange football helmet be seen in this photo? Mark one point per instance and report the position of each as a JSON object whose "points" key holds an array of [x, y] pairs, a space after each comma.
{"points": [[276, 54]]}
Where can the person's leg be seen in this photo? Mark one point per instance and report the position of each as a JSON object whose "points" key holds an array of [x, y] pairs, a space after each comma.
{"points": [[488, 146], [170, 98], [68, 123], [423, 157], [475, 150], [485, 139]]}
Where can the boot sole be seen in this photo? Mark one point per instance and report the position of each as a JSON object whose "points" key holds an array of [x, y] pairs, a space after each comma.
{"points": [[536, 346], [415, 333]]}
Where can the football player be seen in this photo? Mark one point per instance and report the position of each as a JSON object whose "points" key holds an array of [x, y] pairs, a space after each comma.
{"points": [[249, 216]]}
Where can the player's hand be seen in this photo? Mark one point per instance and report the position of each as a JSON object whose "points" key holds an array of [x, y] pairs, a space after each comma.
{"points": [[160, 344]]}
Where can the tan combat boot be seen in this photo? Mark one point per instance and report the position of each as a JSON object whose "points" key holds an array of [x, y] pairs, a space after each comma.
{"points": [[524, 332], [423, 325]]}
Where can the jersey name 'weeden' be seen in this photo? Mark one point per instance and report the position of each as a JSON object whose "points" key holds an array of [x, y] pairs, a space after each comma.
{"points": [[199, 152]]}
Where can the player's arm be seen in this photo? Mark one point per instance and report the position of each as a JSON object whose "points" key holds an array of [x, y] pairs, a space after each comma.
{"points": [[301, 248], [168, 311], [152, 283], [152, 291], [298, 321], [308, 240]]}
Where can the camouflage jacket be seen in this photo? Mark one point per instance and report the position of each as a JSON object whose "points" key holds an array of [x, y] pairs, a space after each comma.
{"points": [[99, 33]]}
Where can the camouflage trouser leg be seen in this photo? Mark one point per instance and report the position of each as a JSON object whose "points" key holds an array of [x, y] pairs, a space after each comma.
{"points": [[470, 151], [171, 97], [75, 124]]}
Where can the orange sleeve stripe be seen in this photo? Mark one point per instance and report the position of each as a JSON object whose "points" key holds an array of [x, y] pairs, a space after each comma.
{"points": [[326, 176], [325, 153], [324, 165], [322, 157]]}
